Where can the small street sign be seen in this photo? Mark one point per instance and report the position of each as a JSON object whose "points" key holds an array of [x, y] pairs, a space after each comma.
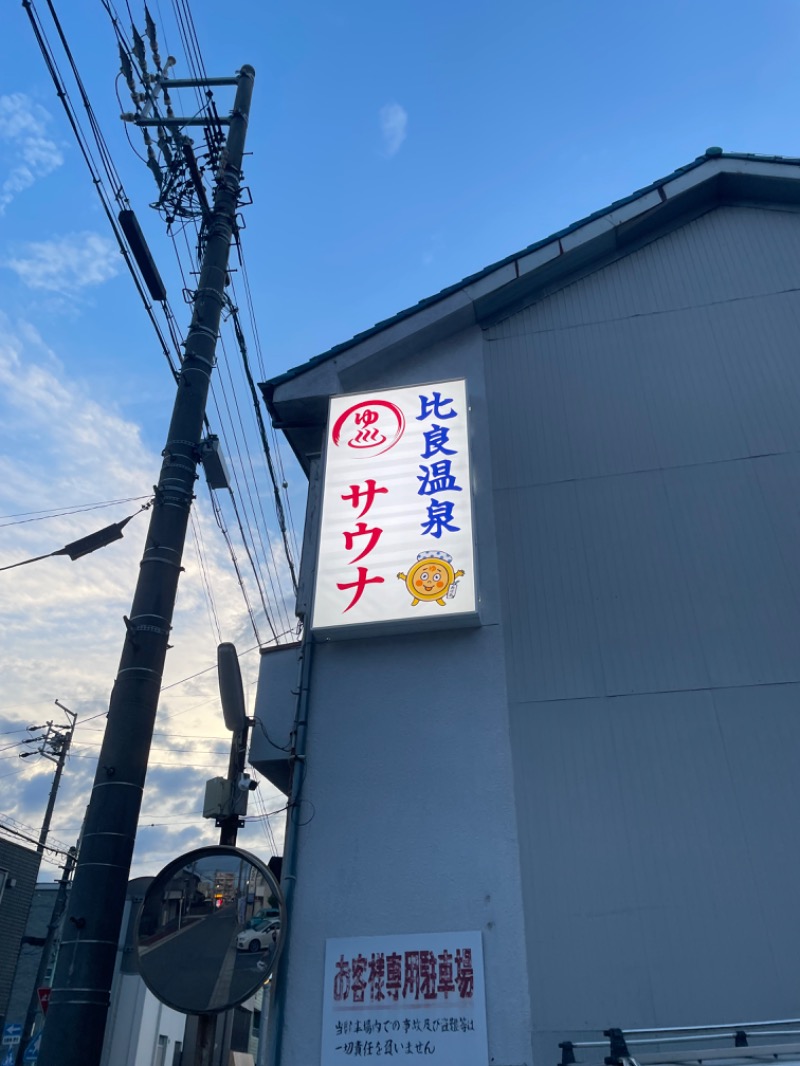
{"points": [[44, 998], [8, 1058], [32, 1050], [12, 1033]]}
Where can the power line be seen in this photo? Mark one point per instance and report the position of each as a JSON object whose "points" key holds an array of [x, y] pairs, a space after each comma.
{"points": [[246, 497], [243, 486], [94, 170], [31, 840], [189, 38], [209, 596], [190, 751], [172, 765], [276, 441], [136, 56], [76, 549], [279, 511], [54, 512], [12, 772]]}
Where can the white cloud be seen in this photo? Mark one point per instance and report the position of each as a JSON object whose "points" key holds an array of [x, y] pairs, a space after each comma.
{"points": [[394, 127], [26, 150], [66, 264], [62, 621]]}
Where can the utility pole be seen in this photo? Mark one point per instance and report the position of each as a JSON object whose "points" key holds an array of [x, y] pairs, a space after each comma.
{"points": [[54, 745], [79, 1001]]}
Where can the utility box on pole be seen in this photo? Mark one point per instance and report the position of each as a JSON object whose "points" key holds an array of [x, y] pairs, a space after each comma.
{"points": [[224, 799]]}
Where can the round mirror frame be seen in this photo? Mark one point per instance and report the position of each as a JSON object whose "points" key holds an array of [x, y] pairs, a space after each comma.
{"points": [[224, 896]]}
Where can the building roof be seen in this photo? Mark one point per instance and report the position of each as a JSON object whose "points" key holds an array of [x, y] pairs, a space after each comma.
{"points": [[713, 179]]}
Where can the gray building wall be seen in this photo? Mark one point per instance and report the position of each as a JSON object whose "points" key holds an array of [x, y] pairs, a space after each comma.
{"points": [[21, 866], [407, 821], [645, 467], [615, 746], [39, 915]]}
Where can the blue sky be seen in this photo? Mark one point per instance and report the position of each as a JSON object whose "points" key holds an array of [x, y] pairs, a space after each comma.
{"points": [[395, 150]]}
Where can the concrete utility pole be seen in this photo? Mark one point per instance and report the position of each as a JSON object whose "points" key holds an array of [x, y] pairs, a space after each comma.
{"points": [[59, 742], [55, 746], [79, 1001]]}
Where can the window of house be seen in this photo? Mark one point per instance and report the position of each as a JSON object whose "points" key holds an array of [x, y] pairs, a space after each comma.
{"points": [[160, 1057]]}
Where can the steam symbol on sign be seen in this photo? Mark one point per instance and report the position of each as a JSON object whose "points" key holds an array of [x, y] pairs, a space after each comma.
{"points": [[370, 437]]}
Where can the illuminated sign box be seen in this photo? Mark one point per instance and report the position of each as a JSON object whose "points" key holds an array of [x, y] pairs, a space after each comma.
{"points": [[396, 546]]}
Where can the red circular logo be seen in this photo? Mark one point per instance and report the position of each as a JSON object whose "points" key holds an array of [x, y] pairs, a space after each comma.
{"points": [[370, 427]]}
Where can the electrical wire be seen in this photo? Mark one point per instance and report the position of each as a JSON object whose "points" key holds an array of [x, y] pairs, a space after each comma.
{"points": [[189, 38], [243, 588], [55, 512], [33, 840], [264, 820], [268, 738], [236, 450], [157, 747], [86, 152], [209, 596], [171, 765], [247, 496], [194, 57], [77, 549], [242, 483], [17, 827], [16, 744], [100, 162], [281, 515], [276, 440]]}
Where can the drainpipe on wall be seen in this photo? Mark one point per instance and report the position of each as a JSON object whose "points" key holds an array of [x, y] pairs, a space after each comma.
{"points": [[288, 873]]}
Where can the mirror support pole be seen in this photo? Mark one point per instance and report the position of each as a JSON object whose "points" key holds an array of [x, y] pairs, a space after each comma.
{"points": [[204, 1028]]}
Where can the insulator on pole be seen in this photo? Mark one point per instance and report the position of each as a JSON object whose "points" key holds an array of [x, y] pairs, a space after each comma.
{"points": [[138, 49], [127, 72], [150, 30]]}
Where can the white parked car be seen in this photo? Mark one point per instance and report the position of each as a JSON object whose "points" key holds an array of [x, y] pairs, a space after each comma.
{"points": [[262, 936]]}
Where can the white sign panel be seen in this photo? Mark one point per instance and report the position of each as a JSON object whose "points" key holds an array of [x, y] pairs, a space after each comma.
{"points": [[418, 997], [396, 536]]}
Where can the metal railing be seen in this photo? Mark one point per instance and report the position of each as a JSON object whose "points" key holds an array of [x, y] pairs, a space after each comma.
{"points": [[679, 1044]]}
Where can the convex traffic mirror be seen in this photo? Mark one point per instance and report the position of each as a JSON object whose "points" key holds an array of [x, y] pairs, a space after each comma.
{"points": [[210, 930]]}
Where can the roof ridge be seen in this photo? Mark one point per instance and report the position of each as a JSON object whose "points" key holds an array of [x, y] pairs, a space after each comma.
{"points": [[711, 154]]}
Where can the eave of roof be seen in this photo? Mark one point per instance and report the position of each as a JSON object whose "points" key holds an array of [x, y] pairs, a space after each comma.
{"points": [[531, 258]]}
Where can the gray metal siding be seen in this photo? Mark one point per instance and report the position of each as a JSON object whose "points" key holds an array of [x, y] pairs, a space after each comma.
{"points": [[22, 865], [692, 386], [645, 433], [729, 254], [39, 915], [661, 857]]}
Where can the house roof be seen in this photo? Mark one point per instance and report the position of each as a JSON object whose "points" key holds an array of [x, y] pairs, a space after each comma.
{"points": [[713, 179]]}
